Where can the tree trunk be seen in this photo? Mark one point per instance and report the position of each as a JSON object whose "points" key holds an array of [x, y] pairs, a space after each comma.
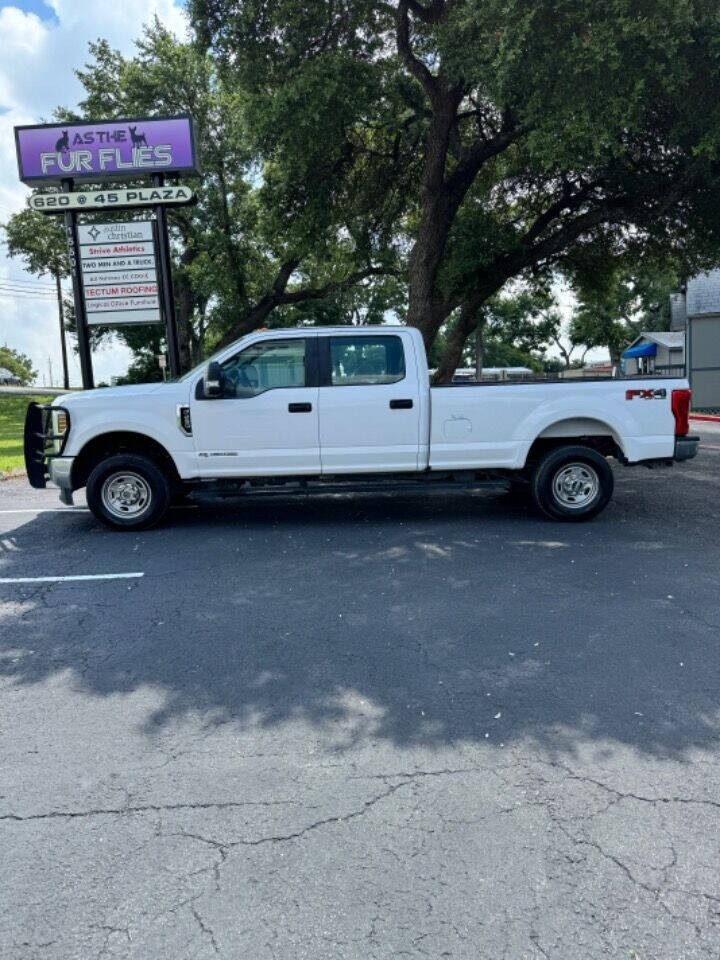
{"points": [[439, 204], [185, 308], [479, 350], [61, 318], [461, 329]]}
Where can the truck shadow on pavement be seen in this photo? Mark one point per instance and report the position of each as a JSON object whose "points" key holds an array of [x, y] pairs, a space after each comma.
{"points": [[421, 620]]}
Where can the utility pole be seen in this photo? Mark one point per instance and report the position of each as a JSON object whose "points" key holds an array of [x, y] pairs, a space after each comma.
{"points": [[50, 371], [61, 317], [83, 337], [167, 297]]}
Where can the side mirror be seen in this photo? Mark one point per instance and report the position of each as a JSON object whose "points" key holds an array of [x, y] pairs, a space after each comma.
{"points": [[213, 380]]}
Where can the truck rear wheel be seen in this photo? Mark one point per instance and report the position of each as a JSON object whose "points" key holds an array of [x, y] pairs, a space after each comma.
{"points": [[128, 491], [572, 484]]}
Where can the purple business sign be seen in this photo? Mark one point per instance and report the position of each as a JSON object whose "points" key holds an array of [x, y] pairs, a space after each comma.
{"points": [[105, 151]]}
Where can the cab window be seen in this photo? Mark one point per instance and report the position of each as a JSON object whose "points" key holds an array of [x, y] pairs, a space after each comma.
{"points": [[267, 365], [358, 361]]}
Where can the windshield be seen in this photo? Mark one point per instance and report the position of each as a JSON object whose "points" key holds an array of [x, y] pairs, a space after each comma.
{"points": [[197, 368]]}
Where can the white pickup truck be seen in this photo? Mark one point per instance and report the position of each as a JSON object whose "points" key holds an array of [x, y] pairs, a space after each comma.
{"points": [[331, 407]]}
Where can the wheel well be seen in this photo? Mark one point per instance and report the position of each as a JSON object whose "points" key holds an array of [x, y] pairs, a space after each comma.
{"points": [[604, 444], [108, 444]]}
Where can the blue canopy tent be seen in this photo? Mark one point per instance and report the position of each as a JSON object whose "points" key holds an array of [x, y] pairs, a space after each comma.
{"points": [[640, 350]]}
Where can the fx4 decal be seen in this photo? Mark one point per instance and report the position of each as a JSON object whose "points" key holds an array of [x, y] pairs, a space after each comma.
{"points": [[645, 394]]}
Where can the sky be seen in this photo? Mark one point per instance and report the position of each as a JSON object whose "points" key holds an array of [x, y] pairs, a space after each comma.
{"points": [[43, 42]]}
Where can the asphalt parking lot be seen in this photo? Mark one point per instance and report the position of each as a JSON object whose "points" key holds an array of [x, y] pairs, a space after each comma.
{"points": [[371, 727]]}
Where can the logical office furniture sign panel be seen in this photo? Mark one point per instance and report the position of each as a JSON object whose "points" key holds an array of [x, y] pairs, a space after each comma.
{"points": [[105, 151], [119, 274]]}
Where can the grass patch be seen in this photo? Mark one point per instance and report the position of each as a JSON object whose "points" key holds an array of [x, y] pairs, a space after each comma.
{"points": [[12, 424]]}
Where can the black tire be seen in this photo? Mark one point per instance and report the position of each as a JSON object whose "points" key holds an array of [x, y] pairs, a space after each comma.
{"points": [[128, 491], [572, 484]]}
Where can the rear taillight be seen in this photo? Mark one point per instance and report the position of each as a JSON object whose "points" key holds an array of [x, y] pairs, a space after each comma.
{"points": [[681, 410]]}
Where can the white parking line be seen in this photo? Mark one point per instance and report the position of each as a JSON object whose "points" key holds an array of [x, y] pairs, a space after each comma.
{"points": [[48, 510], [80, 576], [181, 506]]}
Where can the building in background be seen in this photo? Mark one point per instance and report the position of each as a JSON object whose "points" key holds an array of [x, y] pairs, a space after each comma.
{"points": [[702, 323], [692, 345], [662, 354]]}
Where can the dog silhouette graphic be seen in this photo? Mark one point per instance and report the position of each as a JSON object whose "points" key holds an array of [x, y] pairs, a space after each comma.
{"points": [[137, 138], [63, 143]]}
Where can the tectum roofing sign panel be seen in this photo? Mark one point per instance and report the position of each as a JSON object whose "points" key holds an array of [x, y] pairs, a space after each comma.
{"points": [[105, 151]]}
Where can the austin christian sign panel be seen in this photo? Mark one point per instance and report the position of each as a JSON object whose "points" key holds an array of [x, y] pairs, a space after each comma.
{"points": [[110, 150]]}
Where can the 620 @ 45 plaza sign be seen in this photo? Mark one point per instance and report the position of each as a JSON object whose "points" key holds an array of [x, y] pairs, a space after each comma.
{"points": [[105, 151]]}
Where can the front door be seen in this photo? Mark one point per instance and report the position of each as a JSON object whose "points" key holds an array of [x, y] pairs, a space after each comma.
{"points": [[266, 423], [369, 405]]}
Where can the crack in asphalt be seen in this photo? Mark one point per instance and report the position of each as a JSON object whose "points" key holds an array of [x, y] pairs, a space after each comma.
{"points": [[654, 891], [407, 778], [627, 795], [206, 929], [142, 808], [325, 821]]}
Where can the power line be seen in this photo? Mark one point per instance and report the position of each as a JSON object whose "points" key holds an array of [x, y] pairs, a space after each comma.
{"points": [[27, 286], [27, 283], [14, 295], [12, 283]]}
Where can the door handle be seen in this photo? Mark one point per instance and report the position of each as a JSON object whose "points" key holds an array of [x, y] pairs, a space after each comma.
{"points": [[401, 404], [300, 407]]}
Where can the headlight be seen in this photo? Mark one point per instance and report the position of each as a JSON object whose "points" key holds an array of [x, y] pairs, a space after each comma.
{"points": [[59, 424]]}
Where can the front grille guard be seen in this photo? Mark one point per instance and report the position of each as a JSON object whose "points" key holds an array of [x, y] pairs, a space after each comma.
{"points": [[37, 442]]}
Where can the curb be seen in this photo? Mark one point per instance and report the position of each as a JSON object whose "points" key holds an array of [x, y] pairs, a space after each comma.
{"points": [[12, 474], [705, 416]]}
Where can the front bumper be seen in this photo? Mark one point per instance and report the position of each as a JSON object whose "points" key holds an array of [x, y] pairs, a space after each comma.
{"points": [[686, 448], [60, 470]]}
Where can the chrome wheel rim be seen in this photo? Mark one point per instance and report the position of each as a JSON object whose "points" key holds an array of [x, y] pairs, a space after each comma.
{"points": [[126, 494], [575, 485]]}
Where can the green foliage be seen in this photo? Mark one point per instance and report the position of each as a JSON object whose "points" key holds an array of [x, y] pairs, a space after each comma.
{"points": [[17, 363], [39, 241], [146, 345], [258, 216], [498, 353], [12, 425], [619, 300], [476, 141]]}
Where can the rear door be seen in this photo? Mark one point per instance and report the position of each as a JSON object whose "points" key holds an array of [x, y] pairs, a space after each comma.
{"points": [[369, 404], [266, 423]]}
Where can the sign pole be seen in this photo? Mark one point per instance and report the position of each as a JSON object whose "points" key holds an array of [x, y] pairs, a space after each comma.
{"points": [[83, 338], [166, 284]]}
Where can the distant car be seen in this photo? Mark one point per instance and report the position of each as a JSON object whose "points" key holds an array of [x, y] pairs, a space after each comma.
{"points": [[492, 373], [8, 379], [349, 407]]}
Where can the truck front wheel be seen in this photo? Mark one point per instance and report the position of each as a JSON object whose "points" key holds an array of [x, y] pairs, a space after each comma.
{"points": [[572, 484], [128, 491]]}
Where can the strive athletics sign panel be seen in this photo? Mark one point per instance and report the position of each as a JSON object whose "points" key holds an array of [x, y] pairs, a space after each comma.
{"points": [[110, 150], [119, 275]]}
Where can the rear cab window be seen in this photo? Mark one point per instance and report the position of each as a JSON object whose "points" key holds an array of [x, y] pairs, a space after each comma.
{"points": [[366, 360]]}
